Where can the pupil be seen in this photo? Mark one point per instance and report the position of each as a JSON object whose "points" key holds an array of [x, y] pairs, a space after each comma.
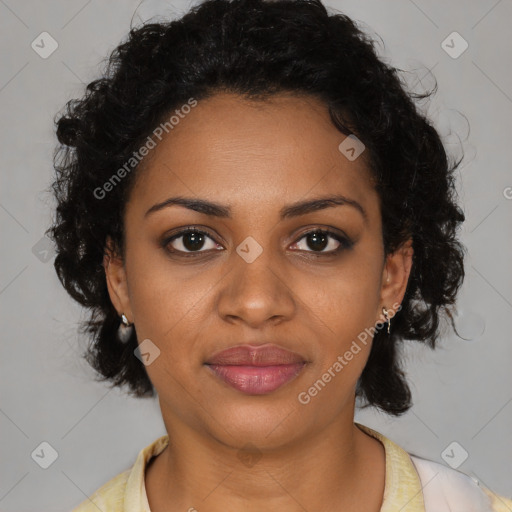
{"points": [[319, 241], [193, 241]]}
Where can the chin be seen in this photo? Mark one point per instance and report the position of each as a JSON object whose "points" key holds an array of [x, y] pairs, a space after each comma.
{"points": [[264, 425]]}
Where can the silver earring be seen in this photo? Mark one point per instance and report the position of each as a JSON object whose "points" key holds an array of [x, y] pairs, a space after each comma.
{"points": [[385, 311], [125, 330]]}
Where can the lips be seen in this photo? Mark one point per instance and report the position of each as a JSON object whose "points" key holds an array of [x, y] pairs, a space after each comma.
{"points": [[263, 355], [256, 370]]}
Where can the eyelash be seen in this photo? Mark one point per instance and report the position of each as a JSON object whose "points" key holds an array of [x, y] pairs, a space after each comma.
{"points": [[345, 243]]}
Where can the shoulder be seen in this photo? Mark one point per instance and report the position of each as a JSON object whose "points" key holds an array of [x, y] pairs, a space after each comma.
{"points": [[108, 498], [498, 503], [126, 490], [445, 488]]}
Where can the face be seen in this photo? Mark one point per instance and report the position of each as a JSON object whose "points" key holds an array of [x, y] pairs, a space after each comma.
{"points": [[261, 268]]}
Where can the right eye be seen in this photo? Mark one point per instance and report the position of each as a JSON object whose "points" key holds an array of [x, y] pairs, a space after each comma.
{"points": [[190, 240]]}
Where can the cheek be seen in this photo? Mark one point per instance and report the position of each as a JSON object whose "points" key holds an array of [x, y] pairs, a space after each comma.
{"points": [[166, 300], [349, 297], [161, 291], [344, 308], [344, 311], [167, 311]]}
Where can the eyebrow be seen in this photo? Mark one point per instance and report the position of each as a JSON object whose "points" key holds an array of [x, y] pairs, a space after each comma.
{"points": [[289, 211]]}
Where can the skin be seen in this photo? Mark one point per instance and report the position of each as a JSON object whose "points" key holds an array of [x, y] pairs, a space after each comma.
{"points": [[257, 157]]}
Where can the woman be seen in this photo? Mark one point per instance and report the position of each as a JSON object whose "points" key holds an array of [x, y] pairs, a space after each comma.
{"points": [[257, 216]]}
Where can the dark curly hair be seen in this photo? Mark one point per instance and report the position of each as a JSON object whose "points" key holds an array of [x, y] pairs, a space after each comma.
{"points": [[257, 48]]}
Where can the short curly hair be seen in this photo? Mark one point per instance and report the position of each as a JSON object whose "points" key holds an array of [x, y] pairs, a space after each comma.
{"points": [[257, 48]]}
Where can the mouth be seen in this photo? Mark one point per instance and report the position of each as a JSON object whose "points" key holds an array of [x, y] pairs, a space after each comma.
{"points": [[256, 370]]}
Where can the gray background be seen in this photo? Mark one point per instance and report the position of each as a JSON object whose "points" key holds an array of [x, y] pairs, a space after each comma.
{"points": [[462, 392]]}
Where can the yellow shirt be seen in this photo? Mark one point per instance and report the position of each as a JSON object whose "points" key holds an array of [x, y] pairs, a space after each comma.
{"points": [[402, 492]]}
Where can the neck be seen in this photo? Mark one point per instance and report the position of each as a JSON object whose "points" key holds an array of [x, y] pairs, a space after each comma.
{"points": [[332, 470]]}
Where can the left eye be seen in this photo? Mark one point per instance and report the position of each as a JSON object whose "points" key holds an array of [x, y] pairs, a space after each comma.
{"points": [[319, 241]]}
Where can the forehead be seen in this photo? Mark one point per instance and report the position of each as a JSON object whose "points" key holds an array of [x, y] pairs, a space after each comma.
{"points": [[252, 151]]}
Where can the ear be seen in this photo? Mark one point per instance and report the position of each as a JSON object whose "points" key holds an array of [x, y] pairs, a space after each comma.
{"points": [[395, 276], [115, 274]]}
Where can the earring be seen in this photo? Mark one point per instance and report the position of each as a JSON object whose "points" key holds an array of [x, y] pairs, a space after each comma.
{"points": [[125, 330], [388, 320]]}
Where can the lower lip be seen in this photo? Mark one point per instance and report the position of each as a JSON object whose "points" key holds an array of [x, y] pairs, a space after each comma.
{"points": [[257, 380]]}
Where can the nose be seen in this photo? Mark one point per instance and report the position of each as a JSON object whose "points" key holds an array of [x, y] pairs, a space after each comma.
{"points": [[256, 293]]}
